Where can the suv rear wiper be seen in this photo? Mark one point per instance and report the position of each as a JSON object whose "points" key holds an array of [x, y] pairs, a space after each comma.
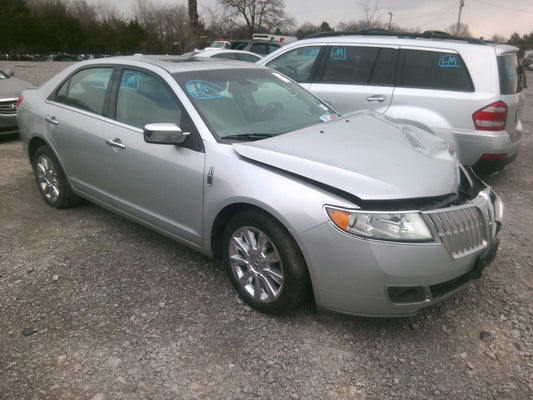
{"points": [[249, 136]]}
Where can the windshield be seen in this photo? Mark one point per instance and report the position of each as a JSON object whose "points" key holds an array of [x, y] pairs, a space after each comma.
{"points": [[251, 104]]}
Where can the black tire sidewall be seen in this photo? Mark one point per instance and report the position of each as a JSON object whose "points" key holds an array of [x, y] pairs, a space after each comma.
{"points": [[296, 278]]}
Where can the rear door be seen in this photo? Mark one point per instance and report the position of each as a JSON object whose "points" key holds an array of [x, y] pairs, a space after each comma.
{"points": [[75, 123], [356, 77]]}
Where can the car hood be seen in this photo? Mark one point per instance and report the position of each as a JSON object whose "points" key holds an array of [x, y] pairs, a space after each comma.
{"points": [[368, 155], [11, 88]]}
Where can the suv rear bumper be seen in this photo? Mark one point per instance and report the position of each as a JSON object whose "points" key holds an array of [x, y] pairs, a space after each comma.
{"points": [[487, 152]]}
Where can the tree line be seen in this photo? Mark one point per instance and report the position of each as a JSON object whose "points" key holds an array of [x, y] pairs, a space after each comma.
{"points": [[76, 27]]}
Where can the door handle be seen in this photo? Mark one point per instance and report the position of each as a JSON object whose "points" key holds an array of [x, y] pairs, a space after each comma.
{"points": [[51, 120], [115, 143], [378, 98]]}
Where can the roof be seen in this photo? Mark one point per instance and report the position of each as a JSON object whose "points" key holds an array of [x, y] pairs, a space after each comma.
{"points": [[174, 64], [401, 35]]}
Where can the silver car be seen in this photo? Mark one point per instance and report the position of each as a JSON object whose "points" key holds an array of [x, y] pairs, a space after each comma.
{"points": [[371, 216], [10, 89]]}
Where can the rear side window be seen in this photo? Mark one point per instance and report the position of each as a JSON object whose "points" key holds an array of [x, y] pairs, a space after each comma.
{"points": [[358, 65], [435, 70], [508, 69], [297, 64], [85, 89]]}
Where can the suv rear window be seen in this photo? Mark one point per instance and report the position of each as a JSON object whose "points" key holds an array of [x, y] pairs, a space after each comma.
{"points": [[435, 70], [508, 69]]}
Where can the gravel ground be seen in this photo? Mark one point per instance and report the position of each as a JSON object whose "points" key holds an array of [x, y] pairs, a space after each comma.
{"points": [[95, 307]]}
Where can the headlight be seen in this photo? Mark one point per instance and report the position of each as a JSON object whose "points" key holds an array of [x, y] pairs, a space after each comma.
{"points": [[399, 226]]}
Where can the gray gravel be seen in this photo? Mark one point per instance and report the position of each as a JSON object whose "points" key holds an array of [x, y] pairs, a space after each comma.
{"points": [[95, 307]]}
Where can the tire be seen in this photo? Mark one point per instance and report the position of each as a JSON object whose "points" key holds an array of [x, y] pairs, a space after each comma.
{"points": [[264, 263], [51, 180]]}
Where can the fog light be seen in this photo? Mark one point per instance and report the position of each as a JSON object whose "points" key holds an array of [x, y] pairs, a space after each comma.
{"points": [[407, 294]]}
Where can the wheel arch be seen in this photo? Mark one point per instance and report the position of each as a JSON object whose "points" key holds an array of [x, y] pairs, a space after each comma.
{"points": [[33, 145], [222, 219], [225, 214]]}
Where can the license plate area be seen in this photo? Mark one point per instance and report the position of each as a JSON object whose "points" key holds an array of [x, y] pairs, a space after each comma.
{"points": [[484, 259]]}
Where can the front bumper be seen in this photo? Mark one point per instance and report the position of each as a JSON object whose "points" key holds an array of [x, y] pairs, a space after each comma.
{"points": [[354, 276], [8, 124]]}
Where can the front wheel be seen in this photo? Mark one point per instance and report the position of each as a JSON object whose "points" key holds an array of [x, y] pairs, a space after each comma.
{"points": [[264, 263], [51, 179]]}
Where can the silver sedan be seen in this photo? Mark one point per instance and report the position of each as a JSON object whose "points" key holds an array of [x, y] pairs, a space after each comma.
{"points": [[371, 216]]}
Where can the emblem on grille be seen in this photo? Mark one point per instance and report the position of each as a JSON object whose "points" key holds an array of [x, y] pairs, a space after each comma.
{"points": [[13, 106]]}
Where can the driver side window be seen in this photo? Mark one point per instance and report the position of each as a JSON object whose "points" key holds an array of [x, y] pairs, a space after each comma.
{"points": [[298, 63], [142, 100]]}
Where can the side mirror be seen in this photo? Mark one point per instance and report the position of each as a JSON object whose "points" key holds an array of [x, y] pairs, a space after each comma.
{"points": [[164, 133]]}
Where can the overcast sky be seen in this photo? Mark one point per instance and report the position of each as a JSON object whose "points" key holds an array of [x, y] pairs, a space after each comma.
{"points": [[484, 17]]}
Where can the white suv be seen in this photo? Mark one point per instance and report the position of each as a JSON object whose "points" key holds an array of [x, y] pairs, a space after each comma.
{"points": [[465, 90]]}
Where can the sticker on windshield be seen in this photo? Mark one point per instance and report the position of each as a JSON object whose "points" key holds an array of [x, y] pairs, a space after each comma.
{"points": [[338, 53], [130, 80], [329, 117], [204, 90], [448, 61]]}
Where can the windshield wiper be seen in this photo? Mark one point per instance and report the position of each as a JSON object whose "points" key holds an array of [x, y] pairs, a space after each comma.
{"points": [[249, 136]]}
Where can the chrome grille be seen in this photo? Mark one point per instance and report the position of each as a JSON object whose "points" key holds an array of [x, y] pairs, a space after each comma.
{"points": [[462, 230], [8, 106]]}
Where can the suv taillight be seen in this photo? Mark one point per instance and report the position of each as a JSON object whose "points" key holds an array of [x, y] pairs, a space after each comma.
{"points": [[491, 117], [21, 97]]}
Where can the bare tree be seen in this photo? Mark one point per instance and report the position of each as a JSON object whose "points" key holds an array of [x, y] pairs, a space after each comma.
{"points": [[461, 30], [370, 8], [258, 15], [193, 22]]}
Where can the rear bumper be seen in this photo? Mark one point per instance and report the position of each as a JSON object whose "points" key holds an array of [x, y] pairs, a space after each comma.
{"points": [[490, 166], [499, 149]]}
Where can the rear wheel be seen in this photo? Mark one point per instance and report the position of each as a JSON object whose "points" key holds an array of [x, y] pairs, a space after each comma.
{"points": [[51, 179], [264, 263]]}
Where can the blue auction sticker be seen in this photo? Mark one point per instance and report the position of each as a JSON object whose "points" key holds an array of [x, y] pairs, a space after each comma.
{"points": [[448, 61], [204, 90], [130, 80]]}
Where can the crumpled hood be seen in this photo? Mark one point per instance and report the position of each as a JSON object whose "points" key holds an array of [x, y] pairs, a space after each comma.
{"points": [[11, 87], [366, 154]]}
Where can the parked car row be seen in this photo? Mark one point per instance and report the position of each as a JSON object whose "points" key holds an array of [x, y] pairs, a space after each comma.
{"points": [[372, 215]]}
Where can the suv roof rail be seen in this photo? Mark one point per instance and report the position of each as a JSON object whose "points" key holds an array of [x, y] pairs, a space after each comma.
{"points": [[383, 32]]}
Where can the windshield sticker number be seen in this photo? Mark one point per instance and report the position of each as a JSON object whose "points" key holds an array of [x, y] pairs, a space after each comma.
{"points": [[130, 80], [448, 61], [338, 53], [204, 90]]}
